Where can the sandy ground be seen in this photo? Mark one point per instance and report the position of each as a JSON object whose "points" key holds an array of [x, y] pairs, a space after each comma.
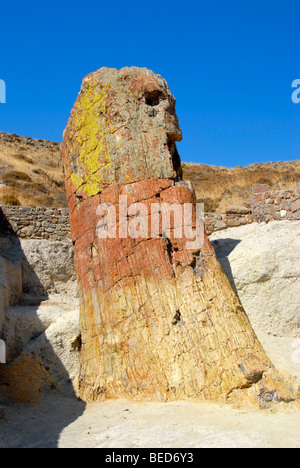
{"points": [[58, 422]]}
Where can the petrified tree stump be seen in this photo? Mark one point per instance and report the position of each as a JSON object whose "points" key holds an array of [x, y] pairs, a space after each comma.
{"points": [[159, 318]]}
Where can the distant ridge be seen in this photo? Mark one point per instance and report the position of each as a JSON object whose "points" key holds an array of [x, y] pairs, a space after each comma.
{"points": [[31, 174]]}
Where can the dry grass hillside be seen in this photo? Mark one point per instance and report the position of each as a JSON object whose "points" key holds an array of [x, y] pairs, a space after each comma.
{"points": [[31, 175], [30, 172], [219, 187]]}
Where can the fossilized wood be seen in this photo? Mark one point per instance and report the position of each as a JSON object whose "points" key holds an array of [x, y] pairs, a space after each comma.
{"points": [[158, 321]]}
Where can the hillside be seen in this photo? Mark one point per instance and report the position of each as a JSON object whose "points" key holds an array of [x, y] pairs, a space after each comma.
{"points": [[219, 187], [31, 174]]}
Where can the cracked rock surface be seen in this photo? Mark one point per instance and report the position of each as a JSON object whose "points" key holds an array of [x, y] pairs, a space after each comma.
{"points": [[159, 320]]}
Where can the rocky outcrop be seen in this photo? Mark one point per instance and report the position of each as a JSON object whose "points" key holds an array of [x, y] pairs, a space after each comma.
{"points": [[263, 265], [42, 343], [50, 268], [262, 262], [14, 138], [159, 318], [10, 271], [38, 317], [10, 283]]}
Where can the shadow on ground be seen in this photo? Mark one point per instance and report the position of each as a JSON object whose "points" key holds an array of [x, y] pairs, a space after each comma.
{"points": [[38, 425], [35, 403], [223, 248]]}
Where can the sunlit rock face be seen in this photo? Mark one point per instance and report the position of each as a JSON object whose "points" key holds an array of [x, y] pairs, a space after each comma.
{"points": [[159, 318]]}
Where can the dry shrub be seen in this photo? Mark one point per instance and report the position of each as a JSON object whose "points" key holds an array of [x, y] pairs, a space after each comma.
{"points": [[38, 188], [17, 197], [265, 180], [8, 197], [23, 157], [41, 201], [210, 204], [13, 179]]}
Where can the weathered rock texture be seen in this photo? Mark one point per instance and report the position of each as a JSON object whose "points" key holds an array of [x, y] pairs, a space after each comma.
{"points": [[42, 344], [263, 263], [158, 321], [41, 336]]}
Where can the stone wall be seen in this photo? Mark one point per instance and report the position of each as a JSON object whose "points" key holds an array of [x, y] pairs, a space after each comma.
{"points": [[53, 223], [38, 223], [219, 221], [270, 205]]}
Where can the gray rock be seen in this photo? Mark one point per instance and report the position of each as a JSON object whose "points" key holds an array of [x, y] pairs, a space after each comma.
{"points": [[44, 331], [263, 265], [237, 209], [220, 225], [53, 266]]}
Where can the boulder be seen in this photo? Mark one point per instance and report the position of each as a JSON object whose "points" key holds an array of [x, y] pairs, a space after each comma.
{"points": [[263, 265], [296, 205], [260, 188], [49, 267], [42, 350], [237, 209], [219, 225], [42, 338]]}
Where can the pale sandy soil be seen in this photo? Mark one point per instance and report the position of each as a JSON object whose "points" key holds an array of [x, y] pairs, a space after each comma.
{"points": [[68, 423]]}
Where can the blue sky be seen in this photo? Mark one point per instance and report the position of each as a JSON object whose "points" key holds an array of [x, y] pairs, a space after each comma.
{"points": [[230, 65]]}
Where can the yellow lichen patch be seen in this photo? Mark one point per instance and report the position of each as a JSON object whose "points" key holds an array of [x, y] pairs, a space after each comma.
{"points": [[90, 127]]}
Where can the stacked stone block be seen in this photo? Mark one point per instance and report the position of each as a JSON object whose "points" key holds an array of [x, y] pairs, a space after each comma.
{"points": [[276, 205]]}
